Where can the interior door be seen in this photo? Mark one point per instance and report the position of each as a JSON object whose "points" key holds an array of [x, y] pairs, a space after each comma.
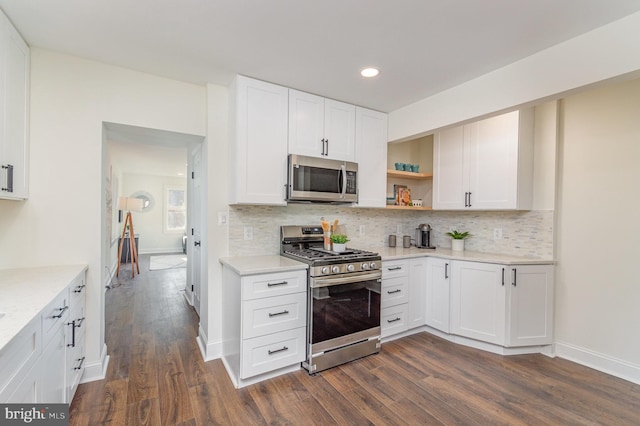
{"points": [[194, 252]]}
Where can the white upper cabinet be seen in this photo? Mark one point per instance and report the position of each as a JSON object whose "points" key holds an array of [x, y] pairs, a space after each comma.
{"points": [[258, 148], [320, 127], [371, 156], [486, 165], [14, 112]]}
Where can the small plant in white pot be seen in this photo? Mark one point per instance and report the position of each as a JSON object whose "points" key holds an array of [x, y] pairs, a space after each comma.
{"points": [[457, 239], [339, 242]]}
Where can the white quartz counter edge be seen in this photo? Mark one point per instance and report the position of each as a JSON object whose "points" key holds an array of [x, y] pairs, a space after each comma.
{"points": [[25, 292], [252, 265], [397, 253]]}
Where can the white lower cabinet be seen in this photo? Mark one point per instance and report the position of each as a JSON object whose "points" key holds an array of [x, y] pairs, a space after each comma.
{"points": [[505, 305], [478, 299], [437, 293], [403, 294], [45, 362], [264, 323]]}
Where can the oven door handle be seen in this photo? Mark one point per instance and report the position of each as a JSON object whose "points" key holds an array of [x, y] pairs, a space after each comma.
{"points": [[352, 278]]}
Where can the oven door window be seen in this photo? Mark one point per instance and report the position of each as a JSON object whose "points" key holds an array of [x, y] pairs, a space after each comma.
{"points": [[343, 309]]}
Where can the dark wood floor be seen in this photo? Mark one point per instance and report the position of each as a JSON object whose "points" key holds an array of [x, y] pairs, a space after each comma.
{"points": [[156, 376]]}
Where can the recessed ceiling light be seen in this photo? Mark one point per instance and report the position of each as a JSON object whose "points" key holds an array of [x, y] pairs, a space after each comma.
{"points": [[369, 72]]}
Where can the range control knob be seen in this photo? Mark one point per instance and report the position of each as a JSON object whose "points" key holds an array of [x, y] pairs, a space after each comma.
{"points": [[325, 270], [350, 268], [373, 265], [335, 269], [365, 266]]}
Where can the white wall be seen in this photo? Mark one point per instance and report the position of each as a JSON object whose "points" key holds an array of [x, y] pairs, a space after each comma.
{"points": [[598, 284], [62, 222], [150, 223]]}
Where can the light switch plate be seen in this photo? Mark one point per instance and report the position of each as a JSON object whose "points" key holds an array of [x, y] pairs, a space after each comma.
{"points": [[222, 218]]}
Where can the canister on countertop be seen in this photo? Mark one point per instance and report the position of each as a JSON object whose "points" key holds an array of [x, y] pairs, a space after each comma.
{"points": [[392, 240], [406, 241]]}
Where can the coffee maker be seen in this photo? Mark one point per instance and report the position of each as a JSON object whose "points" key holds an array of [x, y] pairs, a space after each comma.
{"points": [[423, 236]]}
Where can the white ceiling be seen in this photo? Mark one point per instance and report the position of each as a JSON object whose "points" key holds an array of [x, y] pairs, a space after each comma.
{"points": [[421, 46]]}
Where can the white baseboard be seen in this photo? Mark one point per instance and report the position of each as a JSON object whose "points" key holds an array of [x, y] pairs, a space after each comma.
{"points": [[209, 350], [96, 370], [601, 362]]}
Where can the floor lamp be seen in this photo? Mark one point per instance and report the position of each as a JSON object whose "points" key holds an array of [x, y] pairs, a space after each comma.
{"points": [[129, 204]]}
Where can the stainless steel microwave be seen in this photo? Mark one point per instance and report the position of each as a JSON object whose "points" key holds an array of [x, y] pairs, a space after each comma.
{"points": [[313, 179]]}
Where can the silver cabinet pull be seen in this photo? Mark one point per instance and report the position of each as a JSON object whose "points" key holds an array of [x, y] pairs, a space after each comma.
{"points": [[514, 283], [275, 284], [394, 291], [61, 312], [502, 277], [282, 349], [446, 271], [285, 312], [79, 365], [394, 320], [79, 288], [9, 169], [395, 268]]}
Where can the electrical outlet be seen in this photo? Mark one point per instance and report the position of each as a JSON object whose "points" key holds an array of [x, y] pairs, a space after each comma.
{"points": [[222, 218], [248, 233], [497, 233], [399, 229], [362, 230]]}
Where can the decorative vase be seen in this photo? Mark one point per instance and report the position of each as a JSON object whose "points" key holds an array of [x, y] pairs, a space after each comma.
{"points": [[339, 247], [457, 245]]}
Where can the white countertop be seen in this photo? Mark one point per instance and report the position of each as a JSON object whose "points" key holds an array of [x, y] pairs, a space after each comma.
{"points": [[393, 253], [25, 292], [251, 265]]}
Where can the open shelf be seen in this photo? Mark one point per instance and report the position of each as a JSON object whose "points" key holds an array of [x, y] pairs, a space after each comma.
{"points": [[408, 175], [407, 208]]}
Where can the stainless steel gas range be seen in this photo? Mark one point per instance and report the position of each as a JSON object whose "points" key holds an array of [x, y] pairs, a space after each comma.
{"points": [[343, 298]]}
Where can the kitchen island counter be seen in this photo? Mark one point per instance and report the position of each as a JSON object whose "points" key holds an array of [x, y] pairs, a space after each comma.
{"points": [[251, 265], [394, 253]]}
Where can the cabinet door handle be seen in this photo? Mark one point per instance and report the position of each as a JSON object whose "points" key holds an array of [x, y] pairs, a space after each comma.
{"points": [[61, 312], [79, 288], [282, 349], [394, 320], [285, 312], [73, 334], [327, 150], [469, 199], [79, 365], [446, 271], [79, 322], [514, 283], [466, 196], [394, 291], [9, 169], [502, 277], [323, 146], [395, 268], [275, 284]]}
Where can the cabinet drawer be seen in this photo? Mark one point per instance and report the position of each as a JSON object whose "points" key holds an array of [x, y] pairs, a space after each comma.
{"points": [[267, 285], [17, 357], [54, 315], [273, 314], [395, 268], [394, 320], [395, 291], [267, 353]]}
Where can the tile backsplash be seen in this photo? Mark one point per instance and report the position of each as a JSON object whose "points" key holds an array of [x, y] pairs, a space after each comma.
{"points": [[525, 233]]}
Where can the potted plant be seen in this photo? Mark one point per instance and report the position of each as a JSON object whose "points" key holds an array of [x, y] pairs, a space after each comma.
{"points": [[339, 242], [457, 239]]}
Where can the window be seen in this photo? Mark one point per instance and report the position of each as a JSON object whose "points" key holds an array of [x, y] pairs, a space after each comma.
{"points": [[176, 209]]}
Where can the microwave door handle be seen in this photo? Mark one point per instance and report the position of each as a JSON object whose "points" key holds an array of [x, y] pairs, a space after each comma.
{"points": [[343, 171]]}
